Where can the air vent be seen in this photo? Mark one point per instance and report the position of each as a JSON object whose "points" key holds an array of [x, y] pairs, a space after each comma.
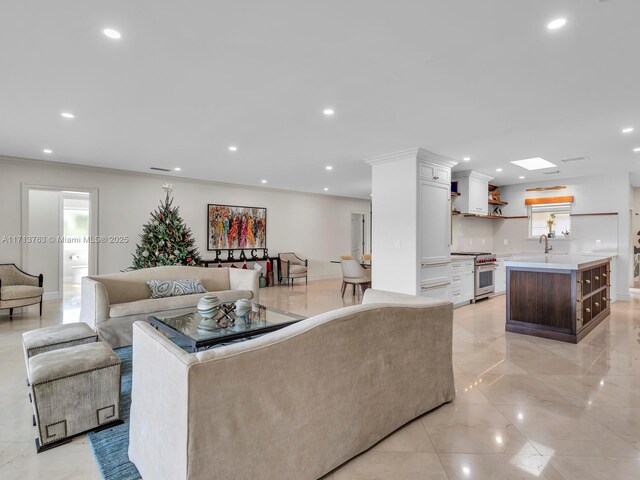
{"points": [[575, 159], [160, 169], [552, 173]]}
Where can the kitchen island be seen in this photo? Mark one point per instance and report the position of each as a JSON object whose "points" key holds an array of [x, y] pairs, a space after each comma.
{"points": [[561, 297]]}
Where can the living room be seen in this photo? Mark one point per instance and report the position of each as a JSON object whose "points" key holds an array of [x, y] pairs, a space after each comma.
{"points": [[359, 241]]}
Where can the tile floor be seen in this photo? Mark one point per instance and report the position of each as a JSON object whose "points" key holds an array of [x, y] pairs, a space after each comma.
{"points": [[526, 408]]}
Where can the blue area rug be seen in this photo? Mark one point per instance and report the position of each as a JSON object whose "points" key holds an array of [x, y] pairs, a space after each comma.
{"points": [[110, 446]]}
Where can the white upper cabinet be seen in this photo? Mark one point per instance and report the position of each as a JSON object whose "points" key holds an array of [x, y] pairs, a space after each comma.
{"points": [[473, 188]]}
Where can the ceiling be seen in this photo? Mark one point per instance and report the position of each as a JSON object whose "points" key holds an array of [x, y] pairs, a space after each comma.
{"points": [[485, 79]]}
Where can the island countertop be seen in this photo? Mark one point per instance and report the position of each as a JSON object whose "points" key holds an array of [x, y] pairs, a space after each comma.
{"points": [[555, 261]]}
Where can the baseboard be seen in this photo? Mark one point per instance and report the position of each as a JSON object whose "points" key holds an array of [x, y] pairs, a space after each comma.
{"points": [[625, 297], [326, 276]]}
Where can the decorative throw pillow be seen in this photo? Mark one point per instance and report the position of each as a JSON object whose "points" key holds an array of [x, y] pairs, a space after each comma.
{"points": [[174, 288]]}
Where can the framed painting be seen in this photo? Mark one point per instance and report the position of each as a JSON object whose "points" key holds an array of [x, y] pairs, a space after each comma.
{"points": [[232, 227]]}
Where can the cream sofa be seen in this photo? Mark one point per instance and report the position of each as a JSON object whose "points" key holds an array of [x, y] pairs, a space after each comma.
{"points": [[292, 404], [112, 303]]}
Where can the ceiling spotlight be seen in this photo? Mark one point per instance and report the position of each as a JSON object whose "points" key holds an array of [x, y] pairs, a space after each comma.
{"points": [[111, 33], [557, 23], [627, 130], [67, 115], [637, 149], [466, 159], [263, 181], [326, 189], [233, 148], [328, 111], [498, 169], [328, 167], [177, 169], [521, 177], [48, 151]]}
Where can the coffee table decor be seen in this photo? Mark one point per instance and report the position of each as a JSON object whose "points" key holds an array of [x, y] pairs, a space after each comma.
{"points": [[243, 307]]}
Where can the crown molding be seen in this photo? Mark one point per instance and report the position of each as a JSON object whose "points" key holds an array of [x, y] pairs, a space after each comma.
{"points": [[417, 153]]}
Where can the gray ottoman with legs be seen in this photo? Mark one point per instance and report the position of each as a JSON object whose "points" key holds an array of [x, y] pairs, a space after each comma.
{"points": [[74, 390]]}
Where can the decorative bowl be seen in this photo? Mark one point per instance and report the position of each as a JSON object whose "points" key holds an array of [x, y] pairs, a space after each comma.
{"points": [[208, 306], [243, 307]]}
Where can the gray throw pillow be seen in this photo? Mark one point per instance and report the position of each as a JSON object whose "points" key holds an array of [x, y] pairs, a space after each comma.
{"points": [[174, 288]]}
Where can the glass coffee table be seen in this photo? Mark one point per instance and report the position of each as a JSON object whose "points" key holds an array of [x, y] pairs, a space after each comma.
{"points": [[183, 328]]}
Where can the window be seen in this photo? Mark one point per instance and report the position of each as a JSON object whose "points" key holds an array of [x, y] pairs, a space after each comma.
{"points": [[554, 218]]}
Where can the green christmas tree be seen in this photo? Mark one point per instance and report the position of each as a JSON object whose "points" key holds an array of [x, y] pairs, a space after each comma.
{"points": [[166, 240]]}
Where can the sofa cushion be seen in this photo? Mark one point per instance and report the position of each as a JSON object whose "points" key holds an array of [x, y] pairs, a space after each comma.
{"points": [[174, 288], [16, 292], [153, 305]]}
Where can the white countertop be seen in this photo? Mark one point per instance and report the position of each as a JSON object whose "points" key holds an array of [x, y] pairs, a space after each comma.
{"points": [[462, 258], [555, 261]]}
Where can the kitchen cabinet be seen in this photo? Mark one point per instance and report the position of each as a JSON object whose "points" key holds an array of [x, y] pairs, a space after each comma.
{"points": [[473, 188], [411, 223], [562, 298], [462, 282]]}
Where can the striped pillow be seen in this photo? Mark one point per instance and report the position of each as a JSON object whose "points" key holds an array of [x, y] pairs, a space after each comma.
{"points": [[174, 288]]}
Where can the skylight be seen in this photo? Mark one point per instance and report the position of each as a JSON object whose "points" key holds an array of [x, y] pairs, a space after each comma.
{"points": [[536, 163]]}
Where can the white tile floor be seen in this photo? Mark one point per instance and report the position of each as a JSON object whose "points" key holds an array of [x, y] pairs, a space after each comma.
{"points": [[526, 408]]}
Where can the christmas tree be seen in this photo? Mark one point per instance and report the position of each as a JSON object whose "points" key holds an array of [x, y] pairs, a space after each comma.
{"points": [[166, 240]]}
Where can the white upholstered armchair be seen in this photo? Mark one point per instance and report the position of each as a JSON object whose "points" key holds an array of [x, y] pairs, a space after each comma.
{"points": [[18, 288], [291, 266]]}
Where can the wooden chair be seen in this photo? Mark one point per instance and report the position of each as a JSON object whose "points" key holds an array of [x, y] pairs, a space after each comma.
{"points": [[291, 266], [354, 274]]}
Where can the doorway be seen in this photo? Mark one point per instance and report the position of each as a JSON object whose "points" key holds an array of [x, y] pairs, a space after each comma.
{"points": [[357, 235], [63, 221], [75, 248]]}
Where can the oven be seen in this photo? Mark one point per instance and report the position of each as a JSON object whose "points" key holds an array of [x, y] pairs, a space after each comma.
{"points": [[485, 276]]}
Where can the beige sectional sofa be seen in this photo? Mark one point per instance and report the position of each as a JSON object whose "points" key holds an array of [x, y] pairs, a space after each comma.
{"points": [[112, 303], [292, 404]]}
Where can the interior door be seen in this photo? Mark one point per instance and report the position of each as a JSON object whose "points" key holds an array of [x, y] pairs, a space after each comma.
{"points": [[357, 235]]}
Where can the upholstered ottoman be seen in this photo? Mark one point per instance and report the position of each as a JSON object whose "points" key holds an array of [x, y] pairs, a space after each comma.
{"points": [[74, 390], [53, 338]]}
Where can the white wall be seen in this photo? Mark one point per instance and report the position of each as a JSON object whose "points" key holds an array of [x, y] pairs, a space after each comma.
{"points": [[44, 220], [610, 193], [471, 234], [314, 226], [394, 251]]}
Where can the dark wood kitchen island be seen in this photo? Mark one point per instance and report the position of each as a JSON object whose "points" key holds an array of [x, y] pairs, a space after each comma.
{"points": [[556, 296]]}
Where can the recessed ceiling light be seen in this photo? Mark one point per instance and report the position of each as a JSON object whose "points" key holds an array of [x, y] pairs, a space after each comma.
{"points": [[177, 169], [535, 163], [557, 23], [67, 115], [48, 151], [328, 111], [111, 33], [233, 148], [263, 181], [326, 189], [521, 177], [637, 149], [466, 159], [328, 167], [498, 169], [627, 130]]}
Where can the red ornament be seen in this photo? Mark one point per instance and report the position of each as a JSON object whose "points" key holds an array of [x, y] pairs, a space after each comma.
{"points": [[189, 259]]}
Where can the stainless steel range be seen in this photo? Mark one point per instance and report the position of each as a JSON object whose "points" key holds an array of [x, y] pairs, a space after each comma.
{"points": [[485, 273]]}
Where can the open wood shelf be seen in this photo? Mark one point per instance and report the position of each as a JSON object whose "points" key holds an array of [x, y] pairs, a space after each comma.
{"points": [[591, 214], [497, 202], [493, 217]]}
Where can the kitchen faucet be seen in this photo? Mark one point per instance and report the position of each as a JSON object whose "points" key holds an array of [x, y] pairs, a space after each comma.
{"points": [[547, 247]]}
